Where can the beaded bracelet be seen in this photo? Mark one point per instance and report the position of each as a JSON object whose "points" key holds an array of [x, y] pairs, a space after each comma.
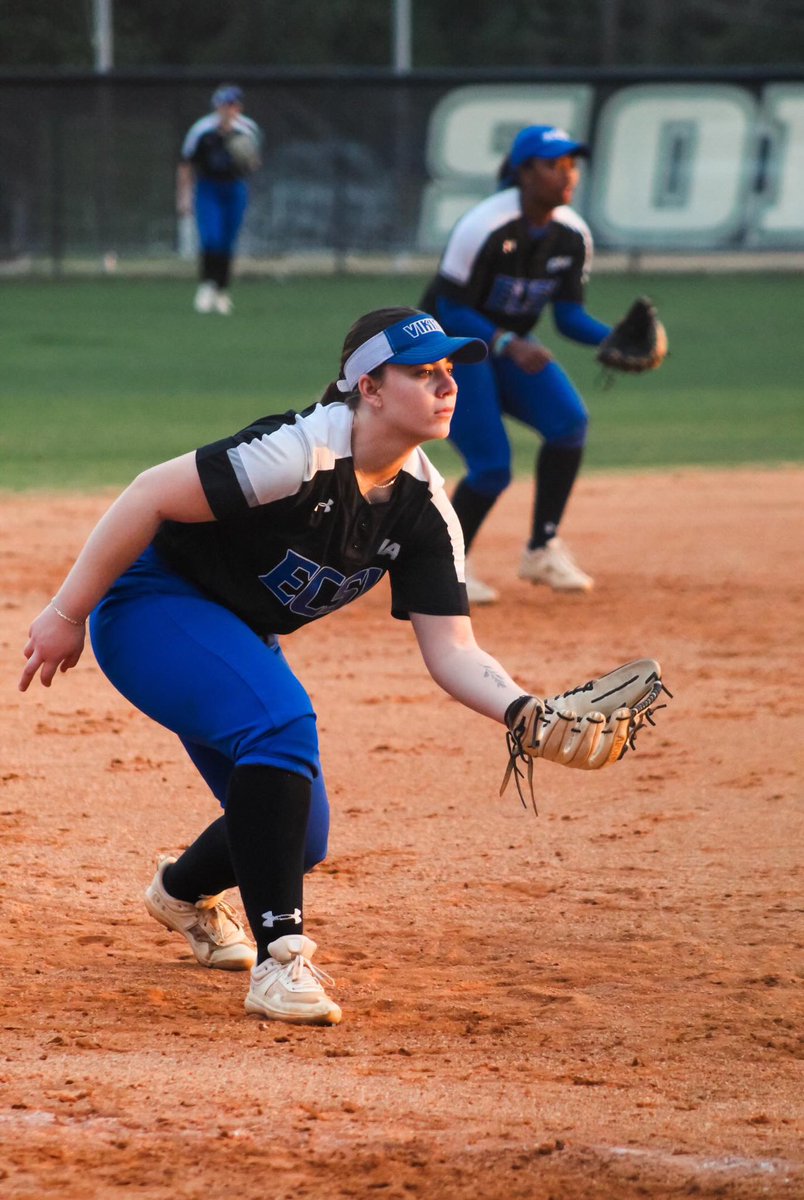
{"points": [[64, 617]]}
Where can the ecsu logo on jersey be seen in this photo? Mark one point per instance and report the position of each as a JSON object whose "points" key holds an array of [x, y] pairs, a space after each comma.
{"points": [[310, 590]]}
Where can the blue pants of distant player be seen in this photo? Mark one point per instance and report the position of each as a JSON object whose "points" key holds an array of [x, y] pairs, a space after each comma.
{"points": [[197, 669], [546, 402], [219, 210]]}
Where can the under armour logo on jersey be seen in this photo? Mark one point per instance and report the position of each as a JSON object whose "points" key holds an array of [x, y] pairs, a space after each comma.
{"points": [[270, 919], [324, 506], [558, 263], [390, 548]]}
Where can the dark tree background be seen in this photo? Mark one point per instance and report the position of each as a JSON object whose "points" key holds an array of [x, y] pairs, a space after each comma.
{"points": [[354, 33]]}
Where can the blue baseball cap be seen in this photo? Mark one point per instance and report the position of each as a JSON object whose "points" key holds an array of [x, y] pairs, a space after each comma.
{"points": [[543, 141], [410, 342], [227, 93]]}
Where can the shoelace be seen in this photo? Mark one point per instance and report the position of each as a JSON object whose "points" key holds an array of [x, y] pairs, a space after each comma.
{"points": [[212, 921], [295, 970]]}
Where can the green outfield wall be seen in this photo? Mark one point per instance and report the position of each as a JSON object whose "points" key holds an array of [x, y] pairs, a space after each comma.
{"points": [[376, 164]]}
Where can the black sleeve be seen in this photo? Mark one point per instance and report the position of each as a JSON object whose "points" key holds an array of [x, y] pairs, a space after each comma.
{"points": [[424, 578]]}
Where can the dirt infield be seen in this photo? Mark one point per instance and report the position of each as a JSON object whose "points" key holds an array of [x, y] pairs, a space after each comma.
{"points": [[596, 1004]]}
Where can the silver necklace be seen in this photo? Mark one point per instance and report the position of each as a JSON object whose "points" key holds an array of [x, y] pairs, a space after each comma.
{"points": [[381, 487], [390, 483]]}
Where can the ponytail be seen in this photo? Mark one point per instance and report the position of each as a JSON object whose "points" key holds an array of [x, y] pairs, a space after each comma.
{"points": [[507, 176], [332, 394]]}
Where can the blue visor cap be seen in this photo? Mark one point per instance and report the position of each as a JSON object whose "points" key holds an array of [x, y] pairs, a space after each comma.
{"points": [[227, 94], [411, 342], [543, 141]]}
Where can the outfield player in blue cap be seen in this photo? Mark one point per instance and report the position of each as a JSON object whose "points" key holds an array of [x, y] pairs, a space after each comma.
{"points": [[507, 259], [200, 565], [218, 154]]}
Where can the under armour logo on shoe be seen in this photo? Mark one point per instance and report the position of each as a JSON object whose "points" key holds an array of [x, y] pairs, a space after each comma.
{"points": [[269, 919], [324, 506]]}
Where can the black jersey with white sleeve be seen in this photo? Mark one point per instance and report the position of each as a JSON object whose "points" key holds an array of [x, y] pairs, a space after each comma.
{"points": [[205, 146], [294, 539], [495, 263]]}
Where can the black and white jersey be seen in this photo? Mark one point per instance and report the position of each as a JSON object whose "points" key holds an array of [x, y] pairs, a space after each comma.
{"points": [[205, 147], [496, 265], [294, 539]]}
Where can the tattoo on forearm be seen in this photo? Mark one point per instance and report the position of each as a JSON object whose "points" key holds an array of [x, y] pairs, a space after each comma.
{"points": [[490, 673]]}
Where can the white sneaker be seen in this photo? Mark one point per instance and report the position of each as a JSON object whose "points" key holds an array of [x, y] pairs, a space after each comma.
{"points": [[478, 591], [216, 937], [554, 565], [223, 304], [205, 298], [287, 987]]}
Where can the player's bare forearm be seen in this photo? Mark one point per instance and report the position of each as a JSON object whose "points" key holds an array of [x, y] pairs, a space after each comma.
{"points": [[465, 671], [184, 188], [171, 491]]}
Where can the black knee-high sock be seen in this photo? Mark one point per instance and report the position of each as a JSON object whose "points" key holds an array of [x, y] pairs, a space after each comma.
{"points": [[207, 271], [204, 869], [224, 270], [266, 825], [217, 267], [556, 470], [471, 508]]}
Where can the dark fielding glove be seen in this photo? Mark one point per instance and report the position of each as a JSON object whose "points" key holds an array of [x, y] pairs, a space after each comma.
{"points": [[587, 727], [637, 343]]}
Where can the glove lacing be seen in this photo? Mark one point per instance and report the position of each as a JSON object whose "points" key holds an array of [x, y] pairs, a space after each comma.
{"points": [[646, 715], [516, 753]]}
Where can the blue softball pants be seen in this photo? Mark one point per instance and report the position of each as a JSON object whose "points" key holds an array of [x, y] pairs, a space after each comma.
{"points": [[193, 666], [220, 206], [546, 402]]}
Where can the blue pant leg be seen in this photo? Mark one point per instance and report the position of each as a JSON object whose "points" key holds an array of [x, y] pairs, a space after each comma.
{"points": [[219, 208], [209, 216], [547, 402], [216, 770], [477, 430], [194, 667], [233, 206]]}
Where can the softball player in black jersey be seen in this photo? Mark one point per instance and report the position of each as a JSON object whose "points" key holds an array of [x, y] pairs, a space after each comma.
{"points": [[506, 260], [199, 565], [218, 153]]}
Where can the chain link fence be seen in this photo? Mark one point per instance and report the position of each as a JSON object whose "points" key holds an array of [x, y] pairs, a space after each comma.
{"points": [[350, 160]]}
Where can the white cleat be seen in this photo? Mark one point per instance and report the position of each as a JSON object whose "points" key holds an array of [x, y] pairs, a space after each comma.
{"points": [[223, 304], [205, 298], [287, 987], [215, 936], [554, 566], [478, 591]]}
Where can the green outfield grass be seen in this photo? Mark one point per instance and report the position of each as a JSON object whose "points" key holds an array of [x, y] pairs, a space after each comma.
{"points": [[99, 379]]}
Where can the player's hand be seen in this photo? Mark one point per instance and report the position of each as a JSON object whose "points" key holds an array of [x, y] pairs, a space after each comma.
{"points": [[53, 645], [529, 356]]}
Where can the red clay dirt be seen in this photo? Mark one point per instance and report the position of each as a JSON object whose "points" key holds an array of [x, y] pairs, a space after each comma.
{"points": [[600, 1002]]}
